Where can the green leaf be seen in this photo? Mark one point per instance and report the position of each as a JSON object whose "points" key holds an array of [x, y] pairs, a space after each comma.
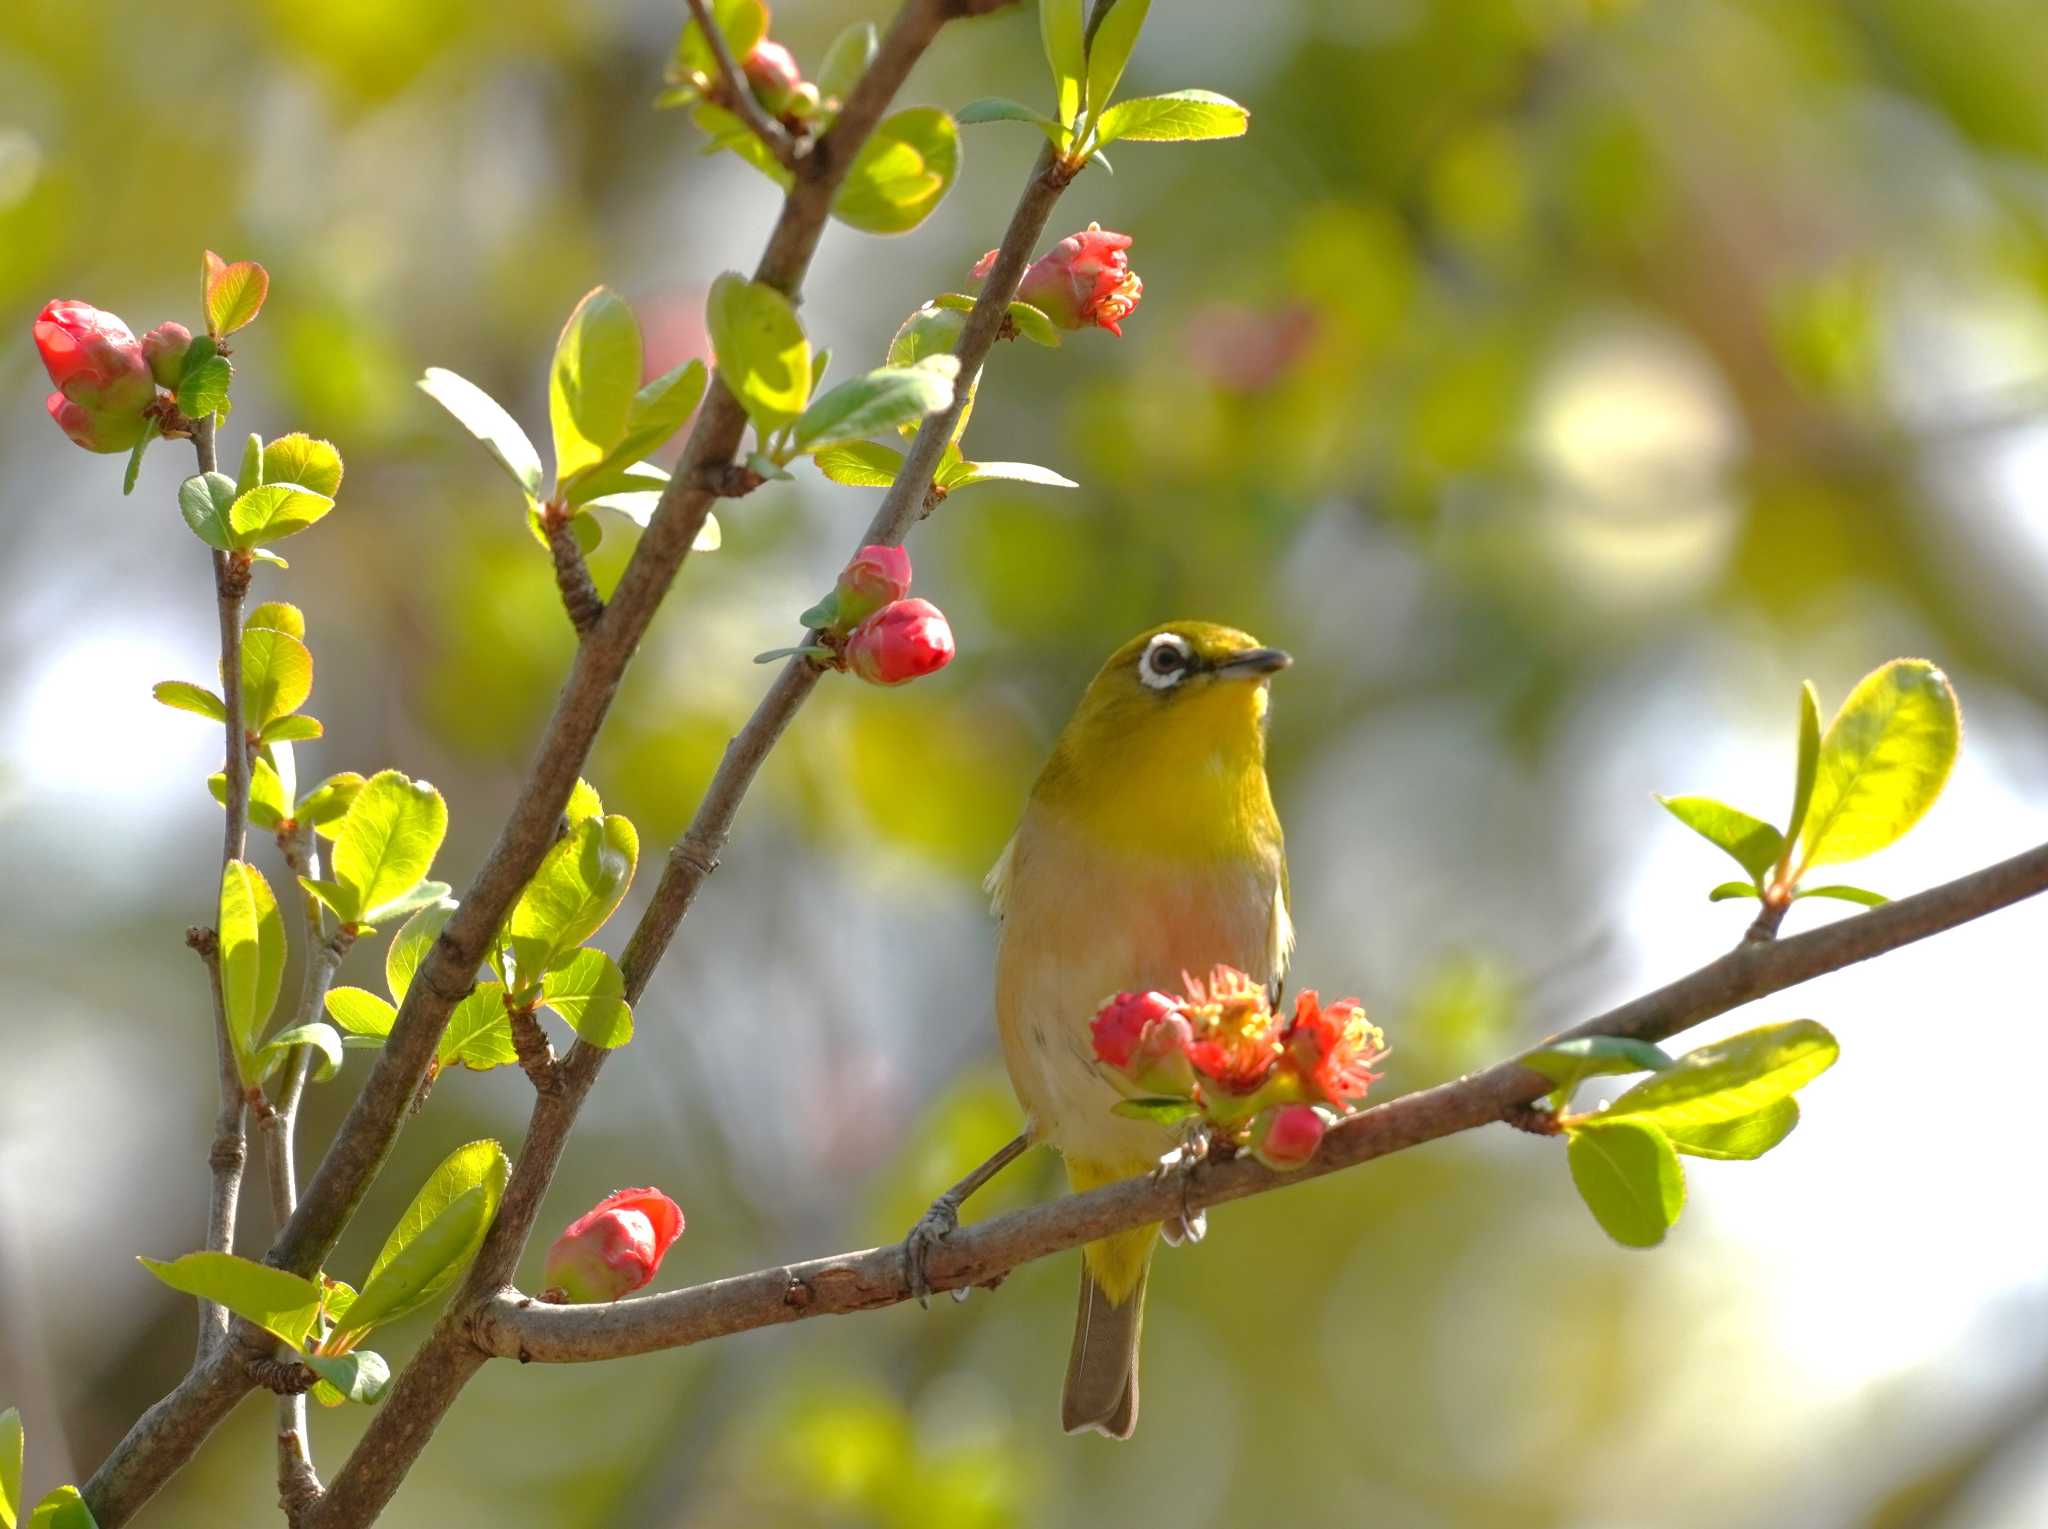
{"points": [[1629, 1177], [251, 473], [180, 695], [1847, 894], [1883, 761], [582, 878], [298, 458], [438, 1234], [1166, 1112], [860, 464], [235, 296], [277, 675], [410, 946], [589, 992], [761, 350], [933, 330], [1570, 1063], [1033, 325], [584, 803], [967, 474], [283, 1304], [421, 894], [998, 109], [360, 1011], [483, 417], [359, 1377], [1063, 31], [1744, 1137], [1732, 889], [63, 1508], [203, 500], [846, 61], [251, 955], [269, 802], [882, 400], [334, 897], [11, 1445], [592, 384], [203, 380], [388, 840], [297, 729], [324, 1038], [1116, 34], [479, 1034], [901, 173], [1809, 760], [1730, 1078], [327, 804], [657, 412], [151, 429], [279, 616], [1752, 843], [729, 133], [274, 511], [1184, 116]]}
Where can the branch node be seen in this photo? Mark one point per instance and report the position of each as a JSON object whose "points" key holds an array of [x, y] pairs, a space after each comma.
{"points": [[228, 1154], [204, 943], [725, 480], [536, 1055], [572, 575], [1533, 1119], [797, 1295], [287, 1377]]}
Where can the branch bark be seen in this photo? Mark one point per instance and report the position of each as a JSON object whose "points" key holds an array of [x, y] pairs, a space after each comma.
{"points": [[515, 1326]]}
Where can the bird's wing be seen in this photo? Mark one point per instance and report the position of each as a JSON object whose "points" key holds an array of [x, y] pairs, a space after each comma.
{"points": [[997, 882], [1282, 929]]}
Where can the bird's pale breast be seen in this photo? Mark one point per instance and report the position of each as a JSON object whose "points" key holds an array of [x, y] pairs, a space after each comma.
{"points": [[1081, 922]]}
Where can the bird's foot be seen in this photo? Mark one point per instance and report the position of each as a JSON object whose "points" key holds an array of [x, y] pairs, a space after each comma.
{"points": [[933, 1228], [1192, 1224]]}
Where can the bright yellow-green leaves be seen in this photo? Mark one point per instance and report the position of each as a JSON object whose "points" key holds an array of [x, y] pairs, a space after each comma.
{"points": [[232, 293], [383, 847], [1883, 761], [1085, 76], [324, 1321], [10, 1468], [763, 354], [282, 489], [1856, 788], [604, 420], [478, 1034], [588, 991], [1730, 1100], [251, 954], [433, 1241], [63, 1508], [901, 173]]}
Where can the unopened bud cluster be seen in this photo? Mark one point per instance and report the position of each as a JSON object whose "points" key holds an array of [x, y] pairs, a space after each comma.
{"points": [[1269, 1082], [868, 628]]}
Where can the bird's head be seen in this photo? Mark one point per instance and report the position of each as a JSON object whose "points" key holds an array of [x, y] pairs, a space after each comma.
{"points": [[1177, 712]]}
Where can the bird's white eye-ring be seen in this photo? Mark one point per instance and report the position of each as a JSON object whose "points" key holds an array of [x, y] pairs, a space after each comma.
{"points": [[1165, 661]]}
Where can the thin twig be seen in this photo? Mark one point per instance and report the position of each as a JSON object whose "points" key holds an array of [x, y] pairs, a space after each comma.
{"points": [[572, 575], [515, 1326], [737, 96], [229, 1150]]}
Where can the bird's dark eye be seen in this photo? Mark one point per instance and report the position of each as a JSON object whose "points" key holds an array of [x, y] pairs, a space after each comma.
{"points": [[1165, 662]]}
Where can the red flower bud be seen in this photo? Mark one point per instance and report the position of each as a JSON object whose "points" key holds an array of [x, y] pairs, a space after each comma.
{"points": [[613, 1248], [876, 576], [1287, 1135], [902, 641], [164, 349], [772, 75], [1120, 1024], [1085, 279], [103, 381]]}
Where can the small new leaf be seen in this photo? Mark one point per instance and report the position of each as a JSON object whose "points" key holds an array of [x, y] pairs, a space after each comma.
{"points": [[1847, 894], [1184, 116], [593, 382], [1110, 49], [761, 350], [1730, 1078], [860, 464], [882, 400], [181, 695], [362, 1376], [1629, 1176], [1744, 1137], [1752, 843], [588, 991], [234, 296], [283, 1304], [901, 173], [485, 418], [1883, 761], [438, 1234], [203, 500]]}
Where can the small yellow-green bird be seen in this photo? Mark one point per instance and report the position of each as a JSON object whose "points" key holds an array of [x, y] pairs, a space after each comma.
{"points": [[1149, 848]]}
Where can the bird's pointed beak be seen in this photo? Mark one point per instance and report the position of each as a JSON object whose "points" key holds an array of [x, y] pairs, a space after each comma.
{"points": [[1254, 661]]}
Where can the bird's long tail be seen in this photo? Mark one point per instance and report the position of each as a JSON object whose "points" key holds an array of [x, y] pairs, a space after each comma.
{"points": [[1101, 1390]]}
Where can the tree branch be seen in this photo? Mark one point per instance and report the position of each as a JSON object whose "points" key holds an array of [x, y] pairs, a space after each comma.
{"points": [[515, 1326], [229, 1150], [737, 97]]}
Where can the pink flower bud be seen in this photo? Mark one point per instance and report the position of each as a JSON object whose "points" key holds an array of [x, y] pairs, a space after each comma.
{"points": [[103, 381], [902, 641], [1121, 1022], [614, 1248], [1161, 1064], [1287, 1135], [1085, 279], [164, 349], [984, 265], [772, 75], [876, 576]]}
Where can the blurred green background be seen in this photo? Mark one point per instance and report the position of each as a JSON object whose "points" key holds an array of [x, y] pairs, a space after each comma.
{"points": [[1561, 381]]}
